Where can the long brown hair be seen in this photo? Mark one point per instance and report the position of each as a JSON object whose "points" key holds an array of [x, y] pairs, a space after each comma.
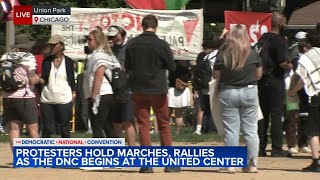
{"points": [[101, 40], [237, 47]]}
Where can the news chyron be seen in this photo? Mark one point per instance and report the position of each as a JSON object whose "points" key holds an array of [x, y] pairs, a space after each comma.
{"points": [[41, 15]]}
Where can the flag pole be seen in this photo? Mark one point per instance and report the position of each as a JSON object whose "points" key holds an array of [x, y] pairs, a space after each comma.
{"points": [[10, 34]]}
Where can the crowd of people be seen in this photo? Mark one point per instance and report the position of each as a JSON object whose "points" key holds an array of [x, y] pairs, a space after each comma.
{"points": [[246, 81]]}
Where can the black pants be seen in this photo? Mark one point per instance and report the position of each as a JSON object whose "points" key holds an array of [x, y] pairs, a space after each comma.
{"points": [[101, 123], [271, 97], [82, 116], [207, 122], [56, 114]]}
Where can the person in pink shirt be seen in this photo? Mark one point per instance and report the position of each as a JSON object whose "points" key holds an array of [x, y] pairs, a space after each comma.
{"points": [[19, 104]]}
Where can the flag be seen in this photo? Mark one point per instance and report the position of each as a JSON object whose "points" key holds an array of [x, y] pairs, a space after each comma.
{"points": [[157, 4]]}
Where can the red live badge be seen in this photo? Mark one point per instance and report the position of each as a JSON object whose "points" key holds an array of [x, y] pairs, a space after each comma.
{"points": [[22, 15]]}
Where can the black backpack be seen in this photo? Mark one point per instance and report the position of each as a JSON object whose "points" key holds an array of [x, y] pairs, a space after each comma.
{"points": [[119, 84], [7, 71], [202, 74], [262, 47]]}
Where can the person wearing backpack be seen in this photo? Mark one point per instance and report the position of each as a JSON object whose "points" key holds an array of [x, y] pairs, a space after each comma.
{"points": [[19, 103], [122, 112], [275, 60], [200, 82], [97, 88]]}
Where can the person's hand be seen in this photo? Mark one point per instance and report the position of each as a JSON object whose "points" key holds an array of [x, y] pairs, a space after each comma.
{"points": [[224, 32], [74, 96]]}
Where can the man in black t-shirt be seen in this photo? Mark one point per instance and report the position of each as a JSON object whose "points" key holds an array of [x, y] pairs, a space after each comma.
{"points": [[272, 90]]}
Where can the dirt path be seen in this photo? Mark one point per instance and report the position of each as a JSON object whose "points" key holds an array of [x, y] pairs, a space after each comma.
{"points": [[269, 169]]}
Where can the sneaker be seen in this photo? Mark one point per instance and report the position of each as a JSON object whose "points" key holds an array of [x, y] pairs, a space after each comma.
{"points": [[91, 168], [293, 150], [250, 169], [229, 170], [172, 169], [312, 168], [305, 149], [278, 153], [146, 170], [197, 133]]}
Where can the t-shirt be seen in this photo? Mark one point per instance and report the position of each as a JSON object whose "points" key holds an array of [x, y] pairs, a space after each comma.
{"points": [[245, 76], [120, 51], [279, 52], [99, 58], [39, 60]]}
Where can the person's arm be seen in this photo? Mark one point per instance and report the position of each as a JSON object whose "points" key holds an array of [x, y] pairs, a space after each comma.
{"points": [[286, 65], [218, 65], [258, 73], [282, 54], [216, 74], [33, 77], [299, 85], [223, 33], [97, 81]]}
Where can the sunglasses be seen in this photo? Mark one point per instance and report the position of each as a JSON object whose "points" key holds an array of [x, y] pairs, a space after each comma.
{"points": [[90, 39]]}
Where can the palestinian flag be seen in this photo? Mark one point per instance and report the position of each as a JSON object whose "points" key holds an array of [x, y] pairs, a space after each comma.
{"points": [[157, 4]]}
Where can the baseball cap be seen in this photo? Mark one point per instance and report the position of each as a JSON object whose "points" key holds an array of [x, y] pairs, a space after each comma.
{"points": [[301, 35], [113, 30], [55, 39]]}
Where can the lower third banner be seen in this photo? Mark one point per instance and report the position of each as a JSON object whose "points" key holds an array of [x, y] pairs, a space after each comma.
{"points": [[87, 155]]}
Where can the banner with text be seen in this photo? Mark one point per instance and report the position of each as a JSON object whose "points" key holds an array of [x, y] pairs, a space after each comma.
{"points": [[182, 29], [95, 152], [256, 23]]}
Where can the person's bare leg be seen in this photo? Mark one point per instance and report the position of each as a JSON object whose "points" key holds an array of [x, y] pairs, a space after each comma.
{"points": [[117, 127], [314, 144], [14, 130], [199, 121], [178, 123], [155, 125], [130, 133], [33, 130]]}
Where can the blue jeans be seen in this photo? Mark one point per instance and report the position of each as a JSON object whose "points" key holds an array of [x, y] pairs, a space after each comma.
{"points": [[239, 106]]}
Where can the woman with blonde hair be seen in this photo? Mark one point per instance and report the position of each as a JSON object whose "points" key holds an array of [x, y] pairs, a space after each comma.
{"points": [[97, 88], [238, 68]]}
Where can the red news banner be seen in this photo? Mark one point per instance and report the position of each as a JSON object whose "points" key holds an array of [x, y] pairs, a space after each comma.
{"points": [[256, 23], [41, 15]]}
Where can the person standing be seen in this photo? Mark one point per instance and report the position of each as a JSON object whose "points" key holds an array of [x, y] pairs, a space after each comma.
{"points": [[147, 59], [19, 104], [58, 90], [238, 69], [272, 89], [96, 86], [308, 78], [122, 113]]}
